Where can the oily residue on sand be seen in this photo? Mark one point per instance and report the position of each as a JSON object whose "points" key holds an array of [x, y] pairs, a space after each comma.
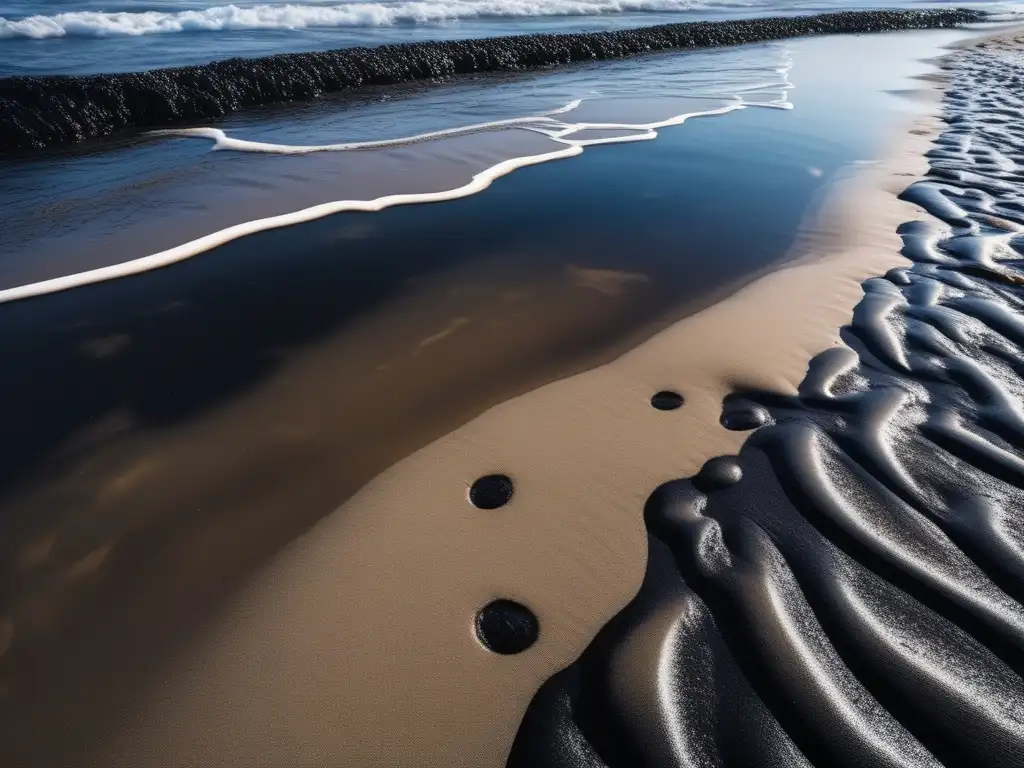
{"points": [[849, 589]]}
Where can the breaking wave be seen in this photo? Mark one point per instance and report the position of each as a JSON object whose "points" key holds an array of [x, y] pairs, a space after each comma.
{"points": [[292, 16]]}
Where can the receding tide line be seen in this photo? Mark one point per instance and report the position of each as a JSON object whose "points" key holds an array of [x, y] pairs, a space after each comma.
{"points": [[478, 183], [42, 111]]}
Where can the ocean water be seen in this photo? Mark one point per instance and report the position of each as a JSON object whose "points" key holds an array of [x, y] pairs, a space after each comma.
{"points": [[80, 36], [139, 200]]}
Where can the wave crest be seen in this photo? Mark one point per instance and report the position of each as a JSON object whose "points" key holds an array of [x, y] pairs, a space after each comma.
{"points": [[291, 16]]}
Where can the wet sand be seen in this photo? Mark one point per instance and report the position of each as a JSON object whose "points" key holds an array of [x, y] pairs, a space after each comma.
{"points": [[356, 640]]}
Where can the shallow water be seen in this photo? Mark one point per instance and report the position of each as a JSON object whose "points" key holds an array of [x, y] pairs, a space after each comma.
{"points": [[72, 210], [649, 229], [76, 210]]}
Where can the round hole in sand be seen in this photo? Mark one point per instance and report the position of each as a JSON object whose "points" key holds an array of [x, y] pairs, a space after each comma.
{"points": [[666, 400], [506, 627], [491, 491]]}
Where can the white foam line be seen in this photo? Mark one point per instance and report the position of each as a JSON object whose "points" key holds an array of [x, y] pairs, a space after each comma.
{"points": [[297, 16], [551, 134], [479, 182], [548, 126], [674, 120], [222, 141], [609, 140], [181, 252], [567, 108]]}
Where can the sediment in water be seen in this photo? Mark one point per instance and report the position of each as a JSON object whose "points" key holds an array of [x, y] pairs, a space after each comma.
{"points": [[48, 111]]}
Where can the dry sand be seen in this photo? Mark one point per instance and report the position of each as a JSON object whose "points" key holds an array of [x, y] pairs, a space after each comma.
{"points": [[356, 645]]}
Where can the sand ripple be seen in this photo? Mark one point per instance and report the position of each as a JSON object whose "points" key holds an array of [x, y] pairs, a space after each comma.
{"points": [[849, 589]]}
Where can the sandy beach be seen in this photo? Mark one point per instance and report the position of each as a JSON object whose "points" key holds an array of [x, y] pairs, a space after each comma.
{"points": [[182, 586], [584, 453]]}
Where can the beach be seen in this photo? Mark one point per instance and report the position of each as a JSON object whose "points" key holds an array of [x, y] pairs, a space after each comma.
{"points": [[847, 585], [243, 517]]}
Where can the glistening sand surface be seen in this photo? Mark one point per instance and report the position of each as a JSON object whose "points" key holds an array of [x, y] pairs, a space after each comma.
{"points": [[848, 590], [356, 645]]}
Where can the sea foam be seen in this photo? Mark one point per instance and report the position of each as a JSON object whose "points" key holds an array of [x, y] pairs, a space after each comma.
{"points": [[295, 16]]}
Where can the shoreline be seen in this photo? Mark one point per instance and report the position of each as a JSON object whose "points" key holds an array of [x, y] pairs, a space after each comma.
{"points": [[847, 589], [36, 113], [203, 181], [139, 573], [584, 453], [479, 182]]}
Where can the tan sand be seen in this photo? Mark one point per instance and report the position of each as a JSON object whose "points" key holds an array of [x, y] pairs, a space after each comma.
{"points": [[355, 646]]}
